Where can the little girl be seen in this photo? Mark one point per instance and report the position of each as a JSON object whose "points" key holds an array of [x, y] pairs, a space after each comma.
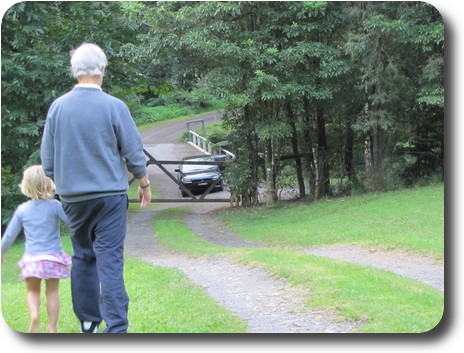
{"points": [[43, 256]]}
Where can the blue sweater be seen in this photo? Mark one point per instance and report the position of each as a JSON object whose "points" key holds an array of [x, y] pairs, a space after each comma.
{"points": [[40, 220], [89, 139]]}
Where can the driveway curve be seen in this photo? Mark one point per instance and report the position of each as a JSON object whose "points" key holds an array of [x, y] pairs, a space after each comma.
{"points": [[266, 304]]}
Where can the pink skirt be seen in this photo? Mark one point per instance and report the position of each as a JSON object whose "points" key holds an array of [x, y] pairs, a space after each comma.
{"points": [[45, 266]]}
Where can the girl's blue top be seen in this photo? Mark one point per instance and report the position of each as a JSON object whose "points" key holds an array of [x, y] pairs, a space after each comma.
{"points": [[40, 221]]}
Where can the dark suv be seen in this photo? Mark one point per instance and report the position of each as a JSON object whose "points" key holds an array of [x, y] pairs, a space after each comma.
{"points": [[198, 177]]}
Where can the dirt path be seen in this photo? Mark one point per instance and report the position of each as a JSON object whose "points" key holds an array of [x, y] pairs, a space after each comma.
{"points": [[204, 223], [266, 304]]}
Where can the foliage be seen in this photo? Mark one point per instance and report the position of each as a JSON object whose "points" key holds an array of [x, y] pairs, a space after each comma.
{"points": [[292, 71], [395, 46], [36, 40], [174, 105], [349, 89], [239, 177]]}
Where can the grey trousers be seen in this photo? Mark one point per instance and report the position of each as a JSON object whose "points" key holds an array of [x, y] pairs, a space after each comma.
{"points": [[98, 231]]}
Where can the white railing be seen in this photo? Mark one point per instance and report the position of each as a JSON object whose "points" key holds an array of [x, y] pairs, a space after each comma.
{"points": [[206, 146]]}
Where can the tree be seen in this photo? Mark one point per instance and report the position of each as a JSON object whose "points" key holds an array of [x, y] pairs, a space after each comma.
{"points": [[394, 44], [36, 40], [26, 56], [352, 91], [262, 57]]}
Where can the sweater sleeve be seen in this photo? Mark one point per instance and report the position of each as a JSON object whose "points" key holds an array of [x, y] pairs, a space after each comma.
{"points": [[130, 144], [12, 231], [47, 152]]}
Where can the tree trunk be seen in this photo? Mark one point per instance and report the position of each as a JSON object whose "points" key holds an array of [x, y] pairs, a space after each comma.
{"points": [[308, 147], [271, 193], [250, 195], [348, 157], [374, 158], [298, 164], [323, 181]]}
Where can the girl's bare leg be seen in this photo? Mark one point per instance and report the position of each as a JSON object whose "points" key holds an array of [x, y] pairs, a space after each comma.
{"points": [[33, 303], [53, 303]]}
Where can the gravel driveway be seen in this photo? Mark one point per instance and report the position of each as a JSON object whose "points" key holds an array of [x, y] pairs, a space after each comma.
{"points": [[266, 304]]}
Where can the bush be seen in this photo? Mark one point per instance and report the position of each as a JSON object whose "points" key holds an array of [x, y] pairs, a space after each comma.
{"points": [[216, 134], [197, 99], [174, 105], [146, 115]]}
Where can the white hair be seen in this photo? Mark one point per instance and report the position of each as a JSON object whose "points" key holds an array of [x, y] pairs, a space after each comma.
{"points": [[88, 59]]}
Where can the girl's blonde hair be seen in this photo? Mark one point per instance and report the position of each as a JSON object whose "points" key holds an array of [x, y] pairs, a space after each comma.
{"points": [[36, 185]]}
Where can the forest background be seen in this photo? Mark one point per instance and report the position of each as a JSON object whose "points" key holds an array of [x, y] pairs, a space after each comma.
{"points": [[336, 98]]}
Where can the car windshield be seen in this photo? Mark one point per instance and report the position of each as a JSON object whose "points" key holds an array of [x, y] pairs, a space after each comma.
{"points": [[197, 168]]}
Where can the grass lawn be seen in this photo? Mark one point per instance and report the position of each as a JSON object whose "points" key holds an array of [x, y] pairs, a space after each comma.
{"points": [[409, 219], [162, 300], [148, 126], [384, 302]]}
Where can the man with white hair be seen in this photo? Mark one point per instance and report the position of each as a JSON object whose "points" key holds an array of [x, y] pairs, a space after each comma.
{"points": [[90, 141]]}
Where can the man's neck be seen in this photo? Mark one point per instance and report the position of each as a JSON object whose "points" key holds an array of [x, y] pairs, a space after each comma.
{"points": [[89, 79]]}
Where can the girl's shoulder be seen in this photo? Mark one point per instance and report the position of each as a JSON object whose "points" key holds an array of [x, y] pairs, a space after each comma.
{"points": [[23, 208], [41, 204], [55, 206], [51, 202], [25, 205]]}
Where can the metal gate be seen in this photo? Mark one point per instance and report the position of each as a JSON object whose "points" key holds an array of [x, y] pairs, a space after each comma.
{"points": [[192, 197]]}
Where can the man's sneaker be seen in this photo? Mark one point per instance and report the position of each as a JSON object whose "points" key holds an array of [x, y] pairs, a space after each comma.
{"points": [[89, 327]]}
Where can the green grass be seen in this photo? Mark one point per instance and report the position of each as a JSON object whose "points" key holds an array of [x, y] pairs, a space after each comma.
{"points": [[173, 111], [151, 125], [409, 219], [14, 308], [382, 301], [162, 300], [170, 228]]}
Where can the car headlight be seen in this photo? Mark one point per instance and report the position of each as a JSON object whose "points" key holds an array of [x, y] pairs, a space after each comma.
{"points": [[216, 177], [186, 180]]}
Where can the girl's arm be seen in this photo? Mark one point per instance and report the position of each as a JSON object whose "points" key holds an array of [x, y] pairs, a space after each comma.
{"points": [[12, 231], [61, 213]]}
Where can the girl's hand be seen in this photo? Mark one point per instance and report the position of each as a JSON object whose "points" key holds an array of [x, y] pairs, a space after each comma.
{"points": [[3, 259]]}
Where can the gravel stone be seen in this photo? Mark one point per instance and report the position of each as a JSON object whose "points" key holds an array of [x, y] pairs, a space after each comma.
{"points": [[204, 223], [268, 305]]}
